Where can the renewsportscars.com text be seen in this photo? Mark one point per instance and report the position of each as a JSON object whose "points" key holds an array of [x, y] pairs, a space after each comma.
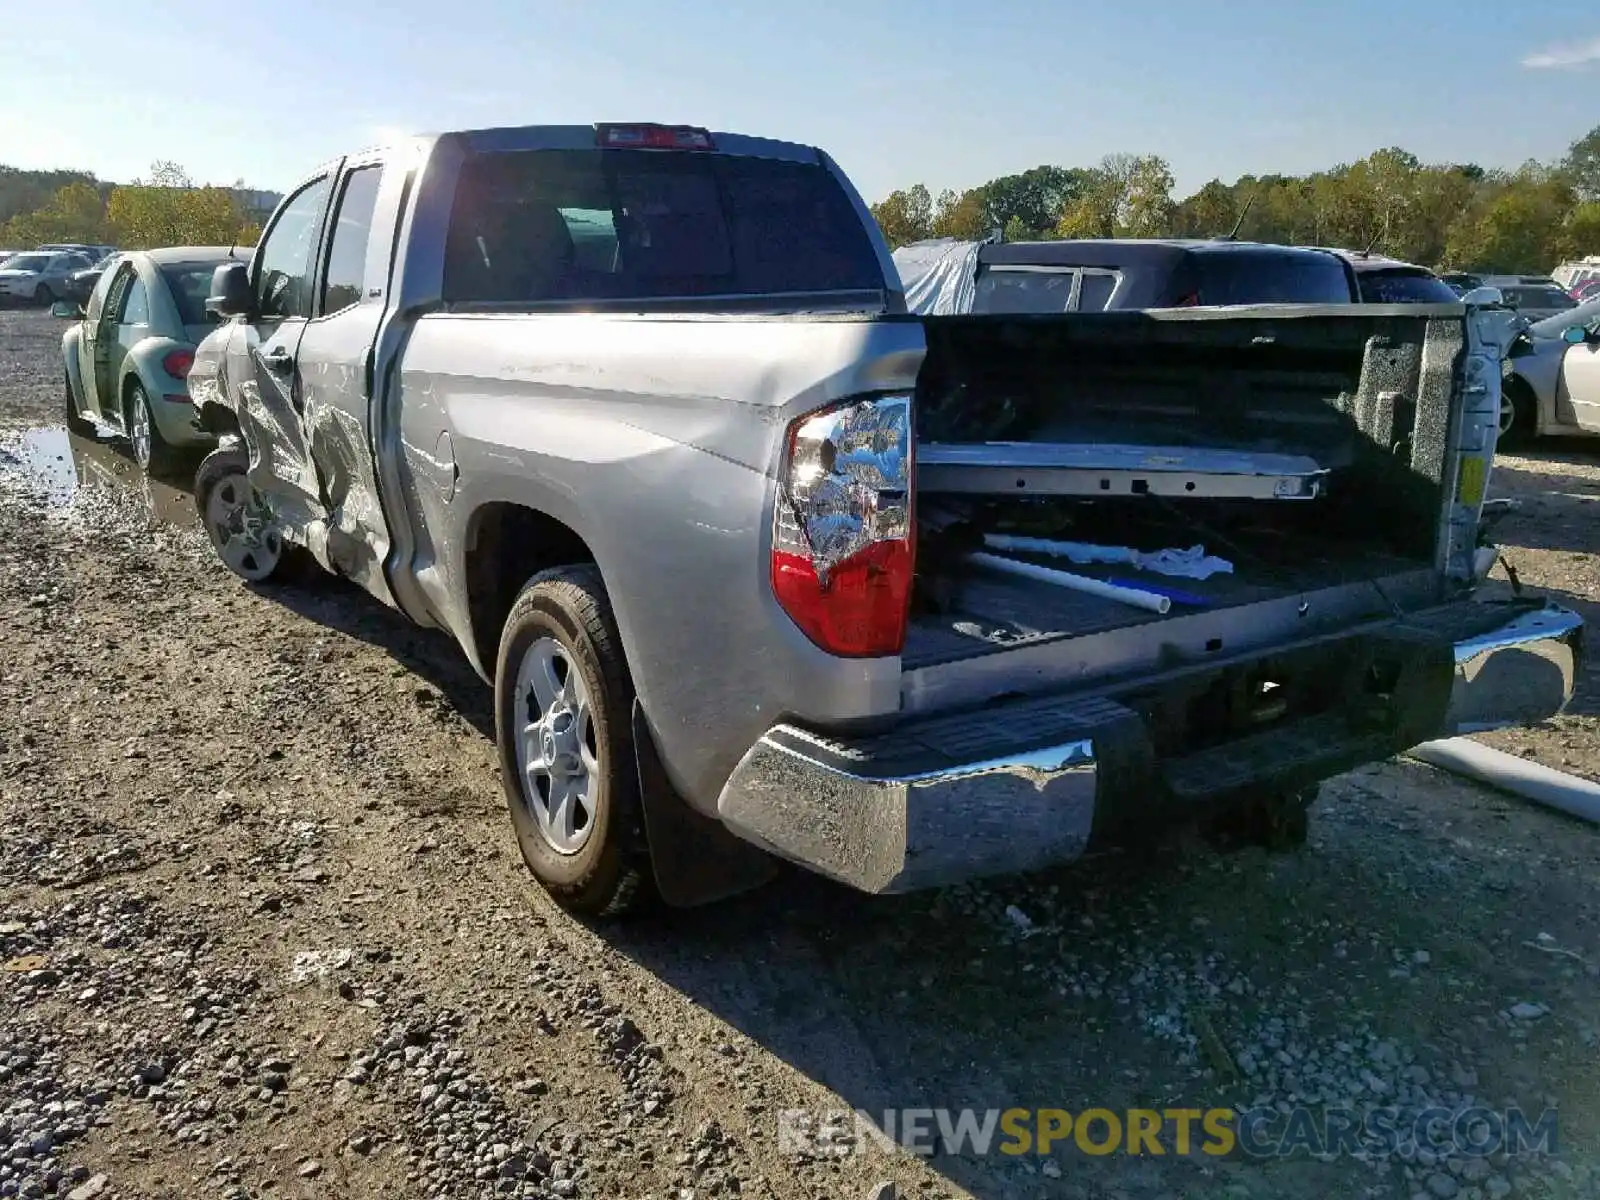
{"points": [[1179, 1132]]}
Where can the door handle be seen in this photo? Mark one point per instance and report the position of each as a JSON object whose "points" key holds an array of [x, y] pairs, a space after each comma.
{"points": [[278, 360]]}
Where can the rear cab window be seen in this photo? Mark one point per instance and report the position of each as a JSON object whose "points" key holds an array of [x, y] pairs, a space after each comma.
{"points": [[1014, 289], [1252, 276], [1010, 290], [1404, 286], [531, 226]]}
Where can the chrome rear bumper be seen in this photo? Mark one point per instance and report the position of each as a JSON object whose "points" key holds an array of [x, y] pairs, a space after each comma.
{"points": [[1518, 673], [1016, 788], [885, 830]]}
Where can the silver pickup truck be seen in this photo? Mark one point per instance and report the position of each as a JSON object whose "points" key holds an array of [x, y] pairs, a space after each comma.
{"points": [[760, 566]]}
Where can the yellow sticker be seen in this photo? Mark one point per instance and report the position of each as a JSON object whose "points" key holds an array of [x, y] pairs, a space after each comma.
{"points": [[1469, 487]]}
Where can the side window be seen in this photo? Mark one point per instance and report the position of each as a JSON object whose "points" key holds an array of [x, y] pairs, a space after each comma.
{"points": [[1094, 293], [352, 227], [284, 260], [97, 298], [112, 303], [136, 305]]}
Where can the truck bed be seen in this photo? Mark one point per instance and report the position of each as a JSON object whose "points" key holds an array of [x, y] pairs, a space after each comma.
{"points": [[990, 613]]}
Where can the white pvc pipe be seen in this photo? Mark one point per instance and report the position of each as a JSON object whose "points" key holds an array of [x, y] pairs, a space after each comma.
{"points": [[1078, 583], [1543, 785]]}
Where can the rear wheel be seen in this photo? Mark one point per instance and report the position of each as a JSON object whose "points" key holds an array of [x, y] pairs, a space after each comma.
{"points": [[1518, 418], [76, 422], [239, 522], [563, 724], [154, 454]]}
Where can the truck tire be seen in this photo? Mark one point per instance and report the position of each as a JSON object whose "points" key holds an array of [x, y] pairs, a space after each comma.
{"points": [[563, 727], [240, 534]]}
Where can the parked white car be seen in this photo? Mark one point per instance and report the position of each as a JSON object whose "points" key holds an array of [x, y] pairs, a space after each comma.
{"points": [[1552, 384], [38, 276]]}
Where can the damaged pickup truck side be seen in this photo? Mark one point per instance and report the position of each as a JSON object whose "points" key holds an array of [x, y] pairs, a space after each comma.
{"points": [[761, 566]]}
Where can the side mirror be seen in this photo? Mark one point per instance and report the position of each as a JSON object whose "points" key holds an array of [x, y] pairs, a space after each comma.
{"points": [[230, 290], [1484, 295], [65, 309], [1574, 335]]}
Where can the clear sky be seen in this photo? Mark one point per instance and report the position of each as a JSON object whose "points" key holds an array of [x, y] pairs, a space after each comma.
{"points": [[950, 94]]}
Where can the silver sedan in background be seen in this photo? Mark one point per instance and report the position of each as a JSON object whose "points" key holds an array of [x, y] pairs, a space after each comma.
{"points": [[1552, 383], [127, 354]]}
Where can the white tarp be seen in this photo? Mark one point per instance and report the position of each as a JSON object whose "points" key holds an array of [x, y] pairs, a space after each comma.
{"points": [[940, 276]]}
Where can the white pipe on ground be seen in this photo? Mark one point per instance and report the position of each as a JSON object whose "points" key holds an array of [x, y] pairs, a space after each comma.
{"points": [[1078, 583], [1543, 785]]}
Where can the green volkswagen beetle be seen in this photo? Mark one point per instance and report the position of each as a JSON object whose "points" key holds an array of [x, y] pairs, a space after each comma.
{"points": [[128, 353]]}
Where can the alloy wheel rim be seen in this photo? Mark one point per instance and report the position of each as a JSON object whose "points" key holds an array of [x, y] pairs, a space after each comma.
{"points": [[558, 764], [140, 433], [241, 528]]}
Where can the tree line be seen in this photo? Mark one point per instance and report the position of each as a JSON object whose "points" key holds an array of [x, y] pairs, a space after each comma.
{"points": [[165, 209], [1442, 215]]}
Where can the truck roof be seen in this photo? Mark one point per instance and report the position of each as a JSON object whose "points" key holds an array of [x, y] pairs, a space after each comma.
{"points": [[586, 137], [1365, 260], [1111, 251]]}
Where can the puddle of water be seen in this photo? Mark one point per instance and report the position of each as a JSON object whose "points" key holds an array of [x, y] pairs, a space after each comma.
{"points": [[77, 473], [42, 461]]}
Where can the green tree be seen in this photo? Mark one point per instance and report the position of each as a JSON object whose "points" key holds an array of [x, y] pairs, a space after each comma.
{"points": [[1148, 209], [1582, 165], [905, 216], [1443, 194], [1520, 229], [74, 214], [961, 215], [173, 212], [166, 173], [1033, 199], [1210, 212], [1580, 232], [1097, 209], [23, 192], [1387, 181], [1438, 214]]}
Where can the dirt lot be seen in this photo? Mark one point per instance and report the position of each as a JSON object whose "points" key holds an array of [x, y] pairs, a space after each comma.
{"points": [[264, 931]]}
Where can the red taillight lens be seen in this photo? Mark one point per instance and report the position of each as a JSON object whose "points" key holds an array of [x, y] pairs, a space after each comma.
{"points": [[177, 363], [843, 538], [653, 137]]}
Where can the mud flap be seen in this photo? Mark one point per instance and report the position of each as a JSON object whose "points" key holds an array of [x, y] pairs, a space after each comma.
{"points": [[696, 860]]}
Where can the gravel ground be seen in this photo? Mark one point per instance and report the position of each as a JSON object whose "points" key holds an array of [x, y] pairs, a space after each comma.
{"points": [[264, 931]]}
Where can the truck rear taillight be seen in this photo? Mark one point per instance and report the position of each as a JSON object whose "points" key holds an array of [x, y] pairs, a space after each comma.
{"points": [[652, 137], [843, 542]]}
